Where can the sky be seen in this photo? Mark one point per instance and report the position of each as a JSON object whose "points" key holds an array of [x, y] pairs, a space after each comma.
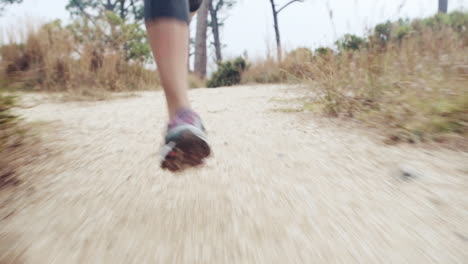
{"points": [[249, 25]]}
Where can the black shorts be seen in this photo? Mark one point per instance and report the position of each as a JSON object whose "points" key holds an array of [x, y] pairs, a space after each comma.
{"points": [[178, 9]]}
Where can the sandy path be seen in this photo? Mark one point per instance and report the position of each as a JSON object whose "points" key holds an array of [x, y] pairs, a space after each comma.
{"points": [[279, 190]]}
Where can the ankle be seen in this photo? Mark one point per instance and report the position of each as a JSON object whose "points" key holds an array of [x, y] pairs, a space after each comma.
{"points": [[173, 112]]}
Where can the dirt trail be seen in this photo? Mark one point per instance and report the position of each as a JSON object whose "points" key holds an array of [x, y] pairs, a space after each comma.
{"points": [[281, 188]]}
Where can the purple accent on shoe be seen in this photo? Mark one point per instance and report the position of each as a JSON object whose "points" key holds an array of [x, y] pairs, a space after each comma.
{"points": [[184, 117]]}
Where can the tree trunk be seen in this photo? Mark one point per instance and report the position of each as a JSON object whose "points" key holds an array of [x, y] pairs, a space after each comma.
{"points": [[200, 40], [122, 9], [109, 6], [215, 30], [443, 6], [277, 32]]}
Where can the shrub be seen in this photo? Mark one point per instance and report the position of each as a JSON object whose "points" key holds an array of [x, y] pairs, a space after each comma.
{"points": [[383, 32], [323, 51], [409, 77], [459, 21], [350, 42], [415, 87], [107, 54], [228, 73]]}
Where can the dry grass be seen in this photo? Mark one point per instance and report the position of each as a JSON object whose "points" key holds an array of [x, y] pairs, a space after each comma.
{"points": [[11, 136], [263, 71], [415, 87], [76, 57], [195, 81], [290, 70], [8, 121]]}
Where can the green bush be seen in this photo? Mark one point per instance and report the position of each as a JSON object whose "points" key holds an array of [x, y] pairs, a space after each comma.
{"points": [[383, 32], [228, 73], [435, 22], [350, 42], [459, 21], [390, 31], [322, 51], [403, 31]]}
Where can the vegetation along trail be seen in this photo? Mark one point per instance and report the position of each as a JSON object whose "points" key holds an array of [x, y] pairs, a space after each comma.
{"points": [[281, 188]]}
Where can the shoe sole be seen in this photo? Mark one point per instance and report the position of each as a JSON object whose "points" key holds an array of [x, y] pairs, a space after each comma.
{"points": [[186, 151]]}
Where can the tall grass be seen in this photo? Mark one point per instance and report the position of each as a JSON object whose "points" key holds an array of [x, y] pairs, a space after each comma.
{"points": [[9, 137], [290, 70], [79, 56], [416, 86], [263, 71], [408, 77], [7, 119]]}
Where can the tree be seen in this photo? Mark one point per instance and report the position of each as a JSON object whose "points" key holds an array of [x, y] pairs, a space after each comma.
{"points": [[125, 9], [111, 34], [276, 12], [216, 22], [200, 40], [3, 3], [113, 22], [443, 6]]}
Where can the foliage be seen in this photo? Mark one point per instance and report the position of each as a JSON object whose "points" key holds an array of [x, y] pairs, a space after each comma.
{"points": [[456, 20], [403, 29], [408, 77], [129, 10], [4, 3], [350, 42], [115, 23], [321, 51], [108, 54], [228, 73], [112, 31], [389, 31], [383, 32]]}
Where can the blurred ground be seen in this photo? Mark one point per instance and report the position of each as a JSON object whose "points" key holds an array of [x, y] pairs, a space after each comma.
{"points": [[281, 188]]}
